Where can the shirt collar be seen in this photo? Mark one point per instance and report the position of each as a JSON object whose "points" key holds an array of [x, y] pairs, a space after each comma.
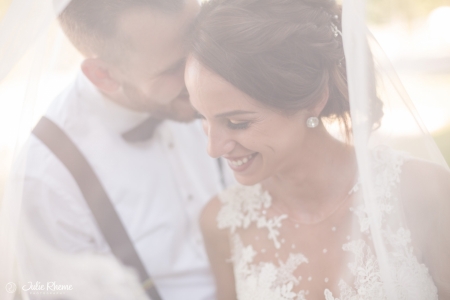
{"points": [[116, 117]]}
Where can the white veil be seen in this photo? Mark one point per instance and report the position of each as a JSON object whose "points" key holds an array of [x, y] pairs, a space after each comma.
{"points": [[29, 44], [426, 175], [400, 209], [36, 63]]}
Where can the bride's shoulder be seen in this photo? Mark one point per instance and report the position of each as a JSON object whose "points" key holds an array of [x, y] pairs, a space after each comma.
{"points": [[224, 211], [388, 159], [235, 207], [424, 182], [425, 196], [391, 164], [420, 181], [211, 211], [208, 217]]}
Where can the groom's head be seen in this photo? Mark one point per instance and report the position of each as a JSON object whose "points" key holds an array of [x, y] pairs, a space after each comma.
{"points": [[135, 51]]}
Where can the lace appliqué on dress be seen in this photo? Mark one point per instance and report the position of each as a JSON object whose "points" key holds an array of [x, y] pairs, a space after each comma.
{"points": [[243, 206], [264, 281], [368, 284], [411, 279]]}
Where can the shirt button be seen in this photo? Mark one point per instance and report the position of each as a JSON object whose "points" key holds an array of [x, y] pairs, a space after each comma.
{"points": [[190, 198], [170, 145]]}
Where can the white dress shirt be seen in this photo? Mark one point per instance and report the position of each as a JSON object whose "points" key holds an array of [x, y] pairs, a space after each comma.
{"points": [[158, 188]]}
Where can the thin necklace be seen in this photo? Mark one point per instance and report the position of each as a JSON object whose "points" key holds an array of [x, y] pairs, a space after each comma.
{"points": [[353, 190]]}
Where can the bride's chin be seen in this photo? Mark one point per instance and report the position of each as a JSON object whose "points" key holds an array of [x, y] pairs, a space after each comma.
{"points": [[250, 174], [249, 179]]}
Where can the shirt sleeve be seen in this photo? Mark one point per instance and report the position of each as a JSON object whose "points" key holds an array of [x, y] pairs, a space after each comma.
{"points": [[54, 206]]}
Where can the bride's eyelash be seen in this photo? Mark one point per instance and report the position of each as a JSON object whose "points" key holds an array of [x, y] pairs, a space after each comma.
{"points": [[238, 126], [230, 124]]}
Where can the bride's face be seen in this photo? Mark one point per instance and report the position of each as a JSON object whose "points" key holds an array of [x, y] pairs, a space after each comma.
{"points": [[257, 141]]}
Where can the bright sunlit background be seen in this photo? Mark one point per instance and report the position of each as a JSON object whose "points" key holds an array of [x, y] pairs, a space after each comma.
{"points": [[3, 6], [44, 71], [415, 34]]}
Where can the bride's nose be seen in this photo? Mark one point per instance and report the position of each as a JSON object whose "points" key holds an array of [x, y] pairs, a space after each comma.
{"points": [[219, 142]]}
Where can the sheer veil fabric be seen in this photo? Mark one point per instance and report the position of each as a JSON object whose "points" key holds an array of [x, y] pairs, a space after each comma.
{"points": [[423, 181], [389, 238], [36, 63], [403, 189]]}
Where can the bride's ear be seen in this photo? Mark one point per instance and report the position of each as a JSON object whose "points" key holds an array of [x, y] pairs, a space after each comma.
{"points": [[99, 73], [317, 109]]}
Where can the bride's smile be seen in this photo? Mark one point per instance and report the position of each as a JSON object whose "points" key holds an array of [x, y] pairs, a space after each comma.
{"points": [[256, 140], [240, 164], [313, 210]]}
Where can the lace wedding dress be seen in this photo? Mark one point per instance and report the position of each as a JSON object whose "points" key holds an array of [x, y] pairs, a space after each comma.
{"points": [[277, 258]]}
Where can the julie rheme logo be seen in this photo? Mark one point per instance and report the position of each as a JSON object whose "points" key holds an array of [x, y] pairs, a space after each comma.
{"points": [[38, 288]]}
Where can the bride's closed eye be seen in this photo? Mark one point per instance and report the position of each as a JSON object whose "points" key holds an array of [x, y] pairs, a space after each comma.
{"points": [[232, 124], [238, 125]]}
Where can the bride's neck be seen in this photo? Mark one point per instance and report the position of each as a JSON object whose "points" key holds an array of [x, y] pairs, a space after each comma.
{"points": [[317, 176]]}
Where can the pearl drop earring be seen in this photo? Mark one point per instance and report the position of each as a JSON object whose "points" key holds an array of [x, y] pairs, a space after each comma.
{"points": [[312, 122]]}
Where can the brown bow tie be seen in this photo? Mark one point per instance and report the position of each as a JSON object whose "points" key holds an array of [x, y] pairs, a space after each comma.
{"points": [[143, 132]]}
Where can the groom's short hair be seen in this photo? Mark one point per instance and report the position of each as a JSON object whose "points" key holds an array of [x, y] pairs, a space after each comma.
{"points": [[91, 25]]}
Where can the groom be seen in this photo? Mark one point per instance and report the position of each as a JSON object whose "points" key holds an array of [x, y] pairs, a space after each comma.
{"points": [[115, 166]]}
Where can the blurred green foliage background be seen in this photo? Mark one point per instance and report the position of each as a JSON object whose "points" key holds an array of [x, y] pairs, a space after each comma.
{"points": [[442, 139]]}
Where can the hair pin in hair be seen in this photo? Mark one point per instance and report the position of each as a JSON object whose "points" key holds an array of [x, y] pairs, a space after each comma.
{"points": [[335, 30]]}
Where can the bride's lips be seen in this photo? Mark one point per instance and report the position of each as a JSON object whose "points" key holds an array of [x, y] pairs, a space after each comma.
{"points": [[241, 163]]}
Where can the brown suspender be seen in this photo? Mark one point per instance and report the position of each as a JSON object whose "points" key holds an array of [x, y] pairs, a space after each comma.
{"points": [[95, 195]]}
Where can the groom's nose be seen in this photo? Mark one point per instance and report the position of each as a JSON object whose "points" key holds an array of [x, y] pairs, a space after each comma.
{"points": [[219, 142]]}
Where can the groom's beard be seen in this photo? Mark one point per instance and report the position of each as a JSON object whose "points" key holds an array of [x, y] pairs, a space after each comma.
{"points": [[179, 109]]}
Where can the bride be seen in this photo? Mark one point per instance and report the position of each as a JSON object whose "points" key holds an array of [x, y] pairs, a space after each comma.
{"points": [[309, 220]]}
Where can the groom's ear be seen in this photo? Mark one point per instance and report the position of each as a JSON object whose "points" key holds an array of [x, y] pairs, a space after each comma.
{"points": [[99, 73]]}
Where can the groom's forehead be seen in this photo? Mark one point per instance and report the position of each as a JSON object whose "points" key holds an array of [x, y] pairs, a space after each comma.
{"points": [[92, 25], [147, 27], [150, 23], [156, 36]]}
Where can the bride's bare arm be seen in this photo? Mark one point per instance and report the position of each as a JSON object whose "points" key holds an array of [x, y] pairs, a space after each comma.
{"points": [[426, 198], [218, 248]]}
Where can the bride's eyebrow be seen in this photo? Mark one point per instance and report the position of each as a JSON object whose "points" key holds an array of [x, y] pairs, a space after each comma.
{"points": [[233, 113]]}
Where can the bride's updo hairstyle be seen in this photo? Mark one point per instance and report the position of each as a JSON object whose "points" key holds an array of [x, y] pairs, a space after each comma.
{"points": [[283, 53]]}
